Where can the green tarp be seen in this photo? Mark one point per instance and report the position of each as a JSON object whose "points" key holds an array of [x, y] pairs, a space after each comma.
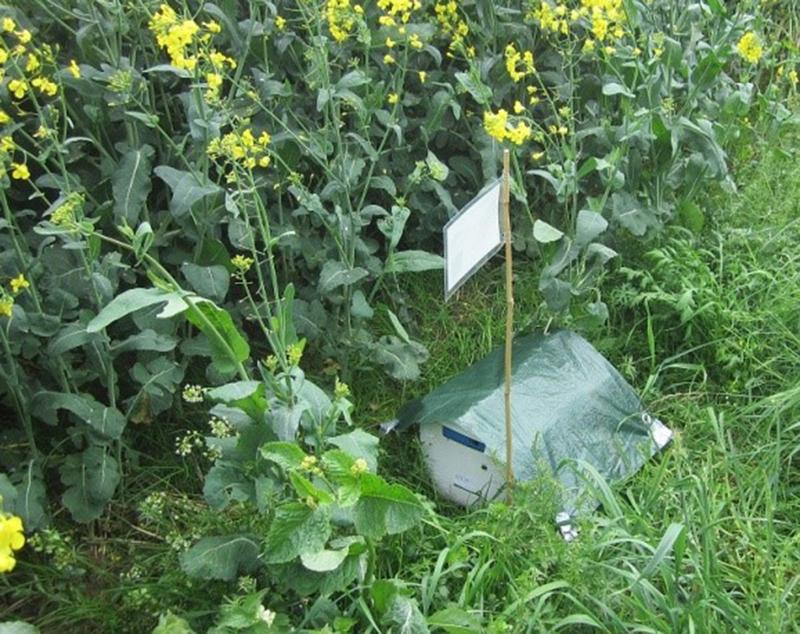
{"points": [[569, 404]]}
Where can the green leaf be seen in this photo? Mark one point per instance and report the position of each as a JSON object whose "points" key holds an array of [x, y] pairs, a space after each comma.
{"points": [[149, 340], [209, 281], [108, 421], [226, 483], [335, 274], [385, 509], [413, 262], [394, 225], [324, 560], [159, 379], [29, 497], [359, 444], [691, 216], [170, 624], [71, 336], [589, 225], [234, 391], [128, 302], [359, 306], [219, 324], [455, 620], [91, 478], [18, 627], [187, 189], [296, 529], [404, 616], [399, 358], [131, 184], [223, 557], [544, 233], [614, 88]]}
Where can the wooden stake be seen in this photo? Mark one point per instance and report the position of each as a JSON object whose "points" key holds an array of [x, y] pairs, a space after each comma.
{"points": [[509, 319]]}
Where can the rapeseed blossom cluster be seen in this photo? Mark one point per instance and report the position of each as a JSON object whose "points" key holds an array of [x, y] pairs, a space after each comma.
{"points": [[397, 10], [498, 127], [12, 538], [452, 24], [749, 48], [601, 19], [342, 16], [241, 149], [17, 285], [187, 44], [519, 65]]}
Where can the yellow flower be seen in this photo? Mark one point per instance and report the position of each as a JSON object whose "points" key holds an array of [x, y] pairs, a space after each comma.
{"points": [[388, 59], [390, 43], [518, 65], [519, 134], [518, 107], [11, 536], [6, 304], [19, 283], [45, 86], [20, 171], [793, 77], [33, 63], [280, 23], [8, 24], [74, 69], [422, 76], [495, 123], [393, 98], [242, 263], [749, 47], [24, 36], [537, 155], [212, 26], [7, 144], [4, 118], [359, 466], [18, 88]]}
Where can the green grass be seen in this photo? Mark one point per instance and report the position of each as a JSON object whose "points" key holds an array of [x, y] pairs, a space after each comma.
{"points": [[704, 539]]}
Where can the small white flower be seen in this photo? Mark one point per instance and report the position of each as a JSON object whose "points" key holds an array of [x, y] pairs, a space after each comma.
{"points": [[268, 616]]}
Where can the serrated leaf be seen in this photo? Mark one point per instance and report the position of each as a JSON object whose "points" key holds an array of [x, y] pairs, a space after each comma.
{"points": [[131, 184], [222, 557], [385, 509], [295, 530], [359, 444], [170, 624], [404, 617], [233, 348], [455, 620], [287, 455]]}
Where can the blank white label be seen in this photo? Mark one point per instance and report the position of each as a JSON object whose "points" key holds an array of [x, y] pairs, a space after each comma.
{"points": [[471, 238]]}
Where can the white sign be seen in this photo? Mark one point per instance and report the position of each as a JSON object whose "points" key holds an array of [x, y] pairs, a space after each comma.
{"points": [[471, 238]]}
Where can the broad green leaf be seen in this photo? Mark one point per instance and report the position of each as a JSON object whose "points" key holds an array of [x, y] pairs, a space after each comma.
{"points": [[691, 216], [223, 557], [287, 455], [159, 379], [148, 339], [324, 560], [30, 499], [285, 419], [359, 307], [234, 391], [455, 620], [131, 184], [91, 478], [226, 483], [394, 225], [614, 88], [544, 233], [209, 281], [296, 529], [359, 444], [589, 225], [385, 509], [400, 359], [228, 345], [413, 262], [18, 627], [473, 84], [404, 617], [71, 336], [170, 624], [108, 421], [128, 302], [187, 189], [335, 274]]}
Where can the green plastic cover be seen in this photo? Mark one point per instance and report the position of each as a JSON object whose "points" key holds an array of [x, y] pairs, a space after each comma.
{"points": [[568, 404]]}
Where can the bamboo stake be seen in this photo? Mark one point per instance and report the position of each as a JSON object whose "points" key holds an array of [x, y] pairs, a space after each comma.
{"points": [[509, 319]]}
